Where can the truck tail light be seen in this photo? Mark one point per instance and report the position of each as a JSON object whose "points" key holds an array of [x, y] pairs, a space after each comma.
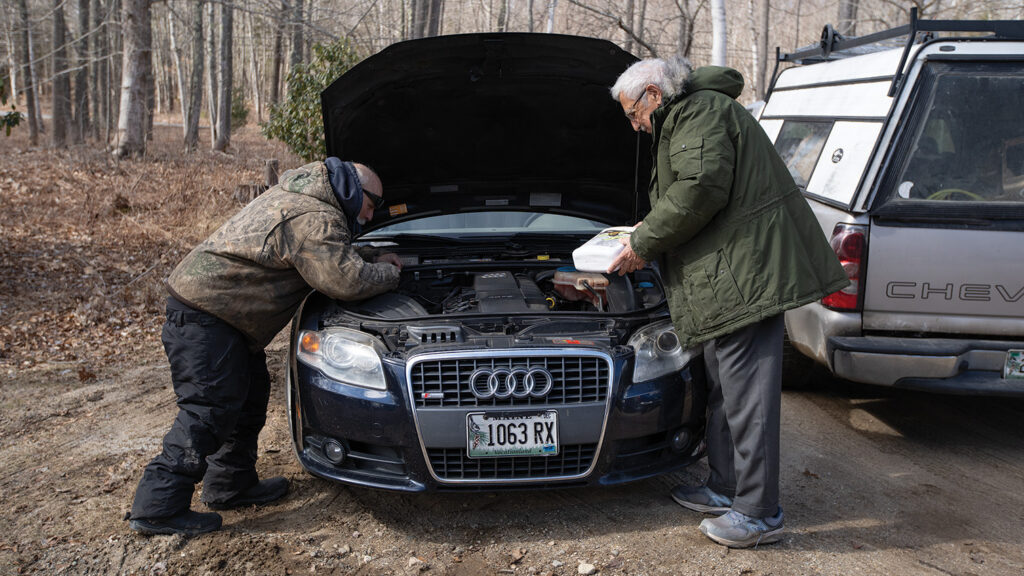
{"points": [[849, 241]]}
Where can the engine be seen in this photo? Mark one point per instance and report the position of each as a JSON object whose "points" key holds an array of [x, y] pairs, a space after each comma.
{"points": [[525, 291]]}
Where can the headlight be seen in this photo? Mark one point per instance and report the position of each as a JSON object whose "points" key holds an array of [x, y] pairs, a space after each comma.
{"points": [[658, 351], [344, 355]]}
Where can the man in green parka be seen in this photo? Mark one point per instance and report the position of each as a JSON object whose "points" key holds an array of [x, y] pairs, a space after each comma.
{"points": [[737, 245]]}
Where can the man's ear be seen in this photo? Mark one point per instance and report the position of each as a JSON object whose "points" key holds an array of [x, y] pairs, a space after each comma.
{"points": [[655, 93]]}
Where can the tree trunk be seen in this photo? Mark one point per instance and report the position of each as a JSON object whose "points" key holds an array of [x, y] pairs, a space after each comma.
{"points": [[179, 72], [847, 17], [529, 16], [195, 85], [503, 16], [641, 20], [148, 77], [762, 72], [254, 63], [28, 75], [82, 76], [131, 125], [61, 107], [96, 73], [115, 24], [226, 69], [552, 4], [278, 61], [436, 11], [420, 15], [297, 55], [796, 33], [211, 71], [686, 19], [12, 64], [718, 33], [630, 18]]}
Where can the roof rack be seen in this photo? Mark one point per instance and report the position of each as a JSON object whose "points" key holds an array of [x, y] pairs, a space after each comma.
{"points": [[832, 42]]}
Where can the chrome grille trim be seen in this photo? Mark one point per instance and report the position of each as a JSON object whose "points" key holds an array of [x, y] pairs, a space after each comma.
{"points": [[604, 367], [579, 379]]}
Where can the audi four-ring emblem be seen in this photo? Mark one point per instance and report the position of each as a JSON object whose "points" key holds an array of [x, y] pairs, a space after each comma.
{"points": [[502, 383]]}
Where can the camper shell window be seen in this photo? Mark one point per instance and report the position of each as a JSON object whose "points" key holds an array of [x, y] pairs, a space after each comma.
{"points": [[966, 135]]}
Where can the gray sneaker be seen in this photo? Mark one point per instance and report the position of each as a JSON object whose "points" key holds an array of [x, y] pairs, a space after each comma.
{"points": [[737, 530], [701, 499]]}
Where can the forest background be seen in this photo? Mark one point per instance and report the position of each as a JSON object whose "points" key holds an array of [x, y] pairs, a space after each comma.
{"points": [[102, 70]]}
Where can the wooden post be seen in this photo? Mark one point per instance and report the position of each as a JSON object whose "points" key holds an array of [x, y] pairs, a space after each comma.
{"points": [[270, 173]]}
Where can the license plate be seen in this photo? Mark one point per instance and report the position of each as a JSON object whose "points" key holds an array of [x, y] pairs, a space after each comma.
{"points": [[1014, 367], [493, 434]]}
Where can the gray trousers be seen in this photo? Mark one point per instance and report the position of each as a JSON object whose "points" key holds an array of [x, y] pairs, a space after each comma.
{"points": [[744, 371]]}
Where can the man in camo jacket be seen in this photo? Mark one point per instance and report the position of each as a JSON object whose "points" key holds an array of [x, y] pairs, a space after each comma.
{"points": [[228, 298]]}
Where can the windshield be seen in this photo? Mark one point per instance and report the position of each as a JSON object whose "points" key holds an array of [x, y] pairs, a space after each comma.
{"points": [[968, 138], [489, 224]]}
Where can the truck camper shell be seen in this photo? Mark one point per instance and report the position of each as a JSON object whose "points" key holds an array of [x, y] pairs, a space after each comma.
{"points": [[909, 146]]}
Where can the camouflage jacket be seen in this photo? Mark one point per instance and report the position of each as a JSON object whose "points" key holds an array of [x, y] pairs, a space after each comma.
{"points": [[255, 270]]}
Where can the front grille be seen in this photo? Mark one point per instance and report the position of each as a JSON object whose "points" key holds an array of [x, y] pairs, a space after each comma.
{"points": [[454, 464], [445, 382]]}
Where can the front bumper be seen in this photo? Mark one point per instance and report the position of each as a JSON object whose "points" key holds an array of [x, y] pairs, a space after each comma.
{"points": [[393, 442]]}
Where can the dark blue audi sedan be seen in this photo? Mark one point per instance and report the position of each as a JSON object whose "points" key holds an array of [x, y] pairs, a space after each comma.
{"points": [[495, 364]]}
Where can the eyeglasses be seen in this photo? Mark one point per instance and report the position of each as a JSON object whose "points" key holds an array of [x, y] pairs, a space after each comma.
{"points": [[375, 199], [632, 109]]}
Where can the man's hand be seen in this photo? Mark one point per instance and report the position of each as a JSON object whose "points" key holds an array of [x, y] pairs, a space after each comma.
{"points": [[627, 261], [390, 258]]}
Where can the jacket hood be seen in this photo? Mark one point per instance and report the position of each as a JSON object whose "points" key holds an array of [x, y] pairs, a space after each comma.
{"points": [[479, 122], [717, 78], [312, 180]]}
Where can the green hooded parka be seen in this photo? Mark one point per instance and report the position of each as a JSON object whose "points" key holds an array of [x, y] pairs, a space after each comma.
{"points": [[734, 237]]}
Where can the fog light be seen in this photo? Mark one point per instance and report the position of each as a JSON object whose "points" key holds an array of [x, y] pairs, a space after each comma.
{"points": [[680, 440], [334, 451]]}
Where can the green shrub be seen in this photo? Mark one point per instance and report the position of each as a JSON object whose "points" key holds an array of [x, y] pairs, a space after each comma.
{"points": [[10, 119], [297, 121]]}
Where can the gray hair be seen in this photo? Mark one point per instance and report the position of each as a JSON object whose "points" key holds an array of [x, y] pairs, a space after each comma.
{"points": [[669, 75], [367, 175]]}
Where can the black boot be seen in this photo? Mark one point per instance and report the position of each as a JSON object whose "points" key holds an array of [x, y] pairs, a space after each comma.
{"points": [[188, 523], [264, 492]]}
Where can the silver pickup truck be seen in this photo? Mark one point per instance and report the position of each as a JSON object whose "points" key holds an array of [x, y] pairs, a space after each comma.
{"points": [[912, 158]]}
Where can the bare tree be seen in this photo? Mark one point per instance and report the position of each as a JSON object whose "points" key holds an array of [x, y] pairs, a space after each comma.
{"points": [[848, 17], [296, 28], [552, 4], [61, 107], [226, 72], [687, 19], [277, 62], [718, 33], [28, 74], [211, 72], [131, 125], [82, 75], [195, 85], [254, 63]]}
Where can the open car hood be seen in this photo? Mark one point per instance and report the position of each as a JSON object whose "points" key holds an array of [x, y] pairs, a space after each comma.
{"points": [[492, 122]]}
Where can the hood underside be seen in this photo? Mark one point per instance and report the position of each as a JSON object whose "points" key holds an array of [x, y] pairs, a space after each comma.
{"points": [[491, 122]]}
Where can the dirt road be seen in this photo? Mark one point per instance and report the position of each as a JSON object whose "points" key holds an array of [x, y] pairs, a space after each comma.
{"points": [[874, 482]]}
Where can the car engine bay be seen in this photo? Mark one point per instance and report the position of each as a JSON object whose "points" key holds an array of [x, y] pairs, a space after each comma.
{"points": [[507, 290]]}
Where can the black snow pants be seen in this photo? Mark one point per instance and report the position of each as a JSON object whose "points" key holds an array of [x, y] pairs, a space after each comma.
{"points": [[222, 389]]}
